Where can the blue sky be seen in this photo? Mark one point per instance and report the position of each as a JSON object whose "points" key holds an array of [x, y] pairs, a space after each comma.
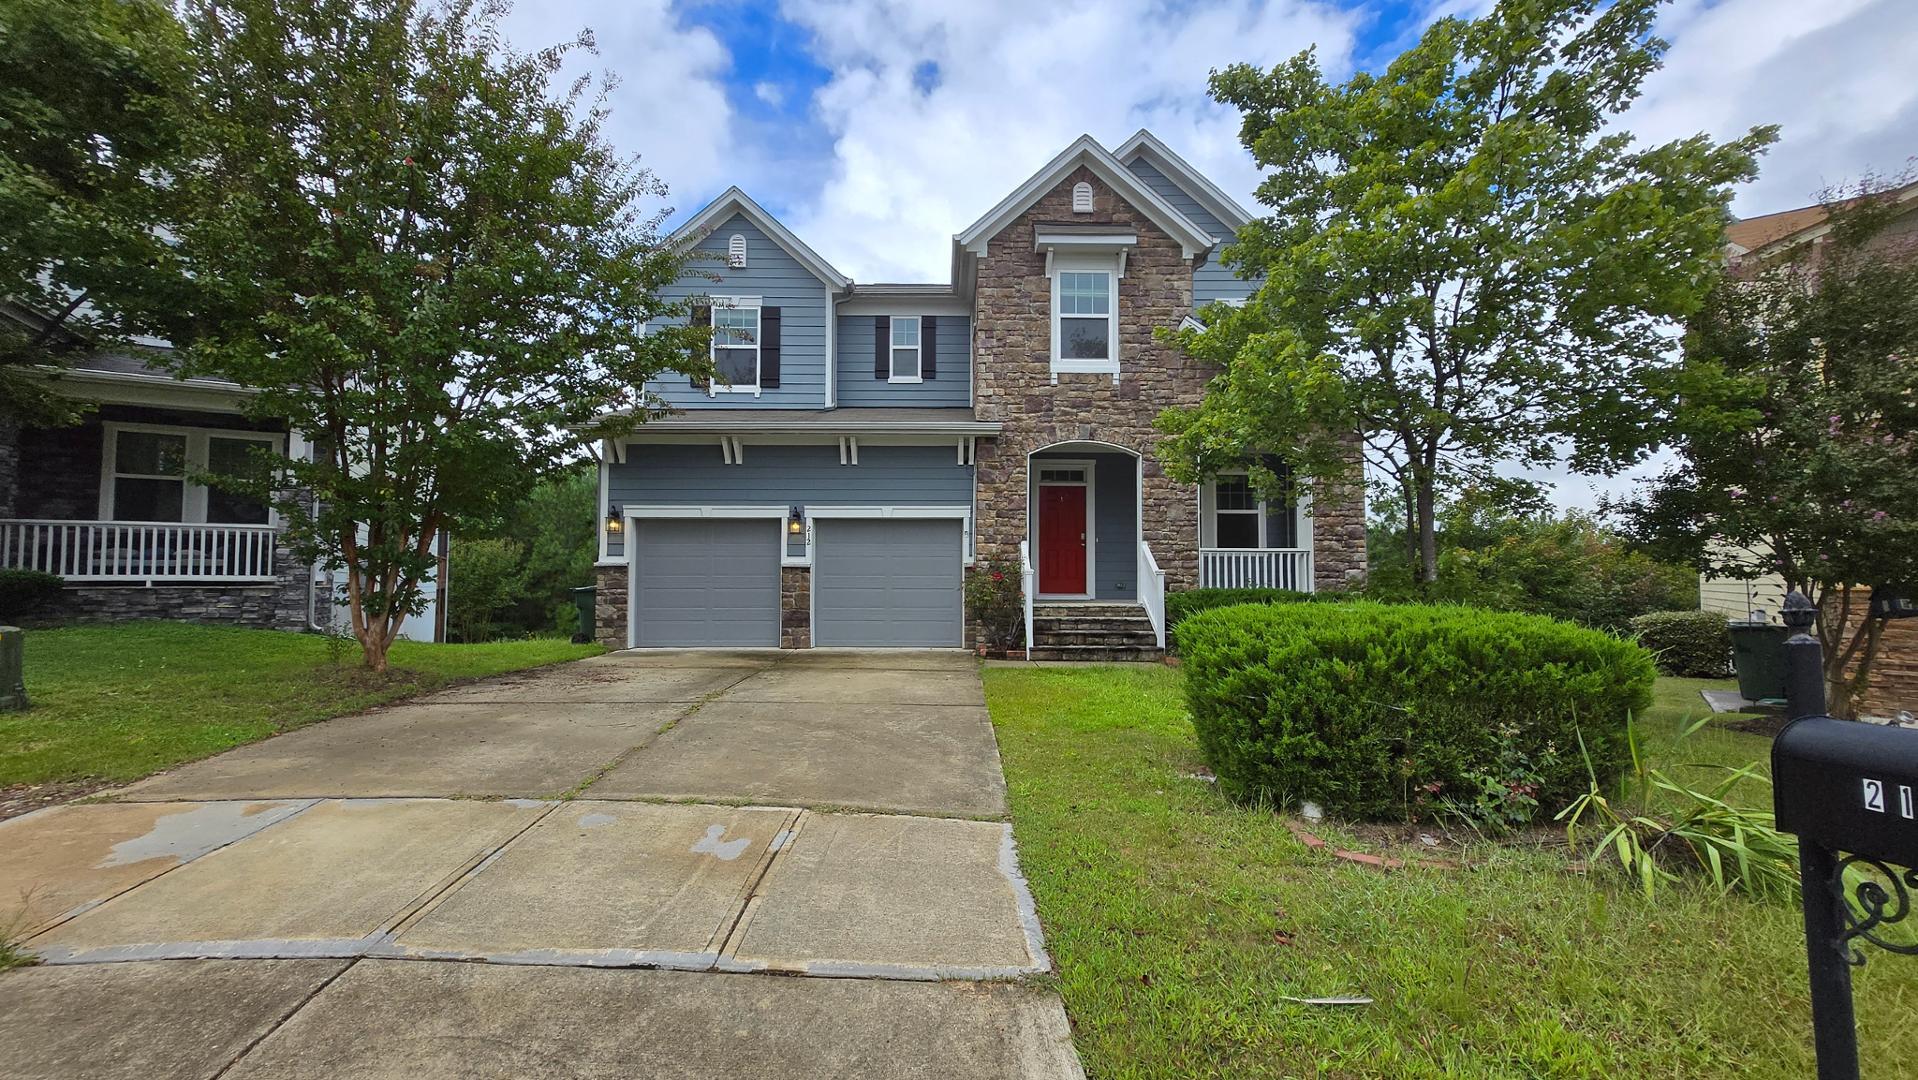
{"points": [[875, 129]]}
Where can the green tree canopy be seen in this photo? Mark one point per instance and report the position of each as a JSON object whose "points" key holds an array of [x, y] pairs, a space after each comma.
{"points": [[426, 256], [1466, 262], [1795, 420], [92, 120]]}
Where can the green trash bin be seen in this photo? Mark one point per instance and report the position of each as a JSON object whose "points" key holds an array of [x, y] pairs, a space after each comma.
{"points": [[583, 600], [1758, 655]]}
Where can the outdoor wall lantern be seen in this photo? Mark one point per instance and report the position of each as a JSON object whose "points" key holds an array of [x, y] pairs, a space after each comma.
{"points": [[796, 522], [614, 520], [1892, 602]]}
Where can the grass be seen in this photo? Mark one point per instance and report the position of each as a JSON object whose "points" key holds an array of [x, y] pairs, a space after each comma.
{"points": [[1180, 922], [115, 703]]}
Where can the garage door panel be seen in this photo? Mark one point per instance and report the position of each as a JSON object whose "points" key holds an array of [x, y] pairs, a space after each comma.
{"points": [[700, 581], [890, 581]]}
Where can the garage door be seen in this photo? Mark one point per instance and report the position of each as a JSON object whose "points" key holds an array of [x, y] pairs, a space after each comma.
{"points": [[706, 581], [886, 581]]}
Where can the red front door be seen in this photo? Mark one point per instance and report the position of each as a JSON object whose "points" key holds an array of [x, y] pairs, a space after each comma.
{"points": [[1062, 539]]}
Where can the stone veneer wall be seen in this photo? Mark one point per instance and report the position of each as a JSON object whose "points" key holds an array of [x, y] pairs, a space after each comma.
{"points": [[276, 605], [609, 606], [1013, 385], [795, 607]]}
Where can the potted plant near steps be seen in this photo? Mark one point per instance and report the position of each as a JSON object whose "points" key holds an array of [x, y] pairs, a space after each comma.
{"points": [[997, 607]]}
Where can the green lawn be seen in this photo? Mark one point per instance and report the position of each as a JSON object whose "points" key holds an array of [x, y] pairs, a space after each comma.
{"points": [[115, 703], [1179, 923]]}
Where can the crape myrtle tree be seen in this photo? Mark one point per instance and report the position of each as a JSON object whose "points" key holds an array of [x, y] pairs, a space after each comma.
{"points": [[429, 259], [92, 120], [1466, 262], [1794, 418]]}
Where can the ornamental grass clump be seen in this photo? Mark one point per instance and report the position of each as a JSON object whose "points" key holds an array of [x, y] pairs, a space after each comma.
{"points": [[1389, 712]]}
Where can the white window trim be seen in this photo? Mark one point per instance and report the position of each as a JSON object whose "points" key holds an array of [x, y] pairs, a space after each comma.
{"points": [[1114, 269], [894, 349], [193, 498], [1209, 517], [736, 303]]}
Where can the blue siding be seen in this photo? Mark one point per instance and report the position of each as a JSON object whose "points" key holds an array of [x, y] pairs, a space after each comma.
{"points": [[1211, 280], [1115, 554], [694, 475], [953, 387], [782, 282]]}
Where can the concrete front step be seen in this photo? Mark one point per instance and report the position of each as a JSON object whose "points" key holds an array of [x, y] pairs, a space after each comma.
{"points": [[1134, 637], [1096, 653], [1110, 626]]}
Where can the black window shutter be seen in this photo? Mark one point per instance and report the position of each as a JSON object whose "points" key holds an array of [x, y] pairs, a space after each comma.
{"points": [[768, 348], [928, 347], [703, 316], [882, 346]]}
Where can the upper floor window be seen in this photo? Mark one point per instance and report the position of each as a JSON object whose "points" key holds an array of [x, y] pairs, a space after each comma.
{"points": [[1085, 324], [146, 475], [736, 342], [905, 349]]}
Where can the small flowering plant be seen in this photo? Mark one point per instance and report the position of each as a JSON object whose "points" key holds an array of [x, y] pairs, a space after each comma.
{"points": [[996, 603]]}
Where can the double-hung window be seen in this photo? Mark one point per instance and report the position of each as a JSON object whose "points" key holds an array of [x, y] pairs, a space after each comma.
{"points": [[1085, 316], [1235, 517], [146, 475], [735, 346], [905, 349]]}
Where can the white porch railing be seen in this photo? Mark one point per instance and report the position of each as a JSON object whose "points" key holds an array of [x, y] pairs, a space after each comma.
{"points": [[1152, 591], [1256, 568], [1028, 581], [141, 551]]}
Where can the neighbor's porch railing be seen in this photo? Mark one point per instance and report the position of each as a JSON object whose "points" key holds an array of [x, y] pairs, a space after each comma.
{"points": [[1152, 591], [1256, 568], [138, 550], [1027, 582]]}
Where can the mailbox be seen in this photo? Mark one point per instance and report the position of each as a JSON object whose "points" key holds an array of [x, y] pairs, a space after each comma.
{"points": [[1848, 786]]}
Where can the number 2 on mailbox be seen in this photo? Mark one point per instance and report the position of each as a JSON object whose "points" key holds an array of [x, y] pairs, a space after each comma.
{"points": [[1875, 796]]}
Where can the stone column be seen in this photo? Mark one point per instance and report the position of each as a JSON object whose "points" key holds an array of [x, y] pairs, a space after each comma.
{"points": [[795, 607], [610, 603]]}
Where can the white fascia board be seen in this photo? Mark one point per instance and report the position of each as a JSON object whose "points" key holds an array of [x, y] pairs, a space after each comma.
{"points": [[1065, 241], [1085, 150], [127, 388], [1179, 171], [900, 305], [732, 201], [704, 431]]}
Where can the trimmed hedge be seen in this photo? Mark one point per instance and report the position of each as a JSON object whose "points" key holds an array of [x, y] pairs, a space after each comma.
{"points": [[1376, 711], [1697, 644], [23, 592], [1181, 605]]}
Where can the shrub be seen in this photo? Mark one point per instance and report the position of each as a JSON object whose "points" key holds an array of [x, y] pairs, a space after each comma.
{"points": [[1181, 605], [1380, 711], [24, 592], [995, 601], [1692, 643]]}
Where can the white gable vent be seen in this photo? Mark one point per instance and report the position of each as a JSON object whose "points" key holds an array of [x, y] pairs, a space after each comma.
{"points": [[1082, 198], [736, 251]]}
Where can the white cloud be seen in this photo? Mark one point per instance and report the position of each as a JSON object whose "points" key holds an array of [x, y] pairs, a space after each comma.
{"points": [[770, 93], [936, 110], [1836, 75], [670, 103]]}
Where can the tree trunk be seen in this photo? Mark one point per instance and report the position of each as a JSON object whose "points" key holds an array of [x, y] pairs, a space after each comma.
{"points": [[1428, 532]]}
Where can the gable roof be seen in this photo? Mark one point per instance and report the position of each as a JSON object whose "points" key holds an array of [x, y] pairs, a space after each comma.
{"points": [[733, 201], [1085, 150], [1144, 144], [1788, 227]]}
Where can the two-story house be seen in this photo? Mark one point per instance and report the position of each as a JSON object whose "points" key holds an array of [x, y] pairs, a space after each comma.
{"points": [[864, 444]]}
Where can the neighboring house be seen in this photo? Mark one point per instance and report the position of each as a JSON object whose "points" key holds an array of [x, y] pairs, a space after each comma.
{"points": [[865, 443], [1750, 246], [111, 505]]}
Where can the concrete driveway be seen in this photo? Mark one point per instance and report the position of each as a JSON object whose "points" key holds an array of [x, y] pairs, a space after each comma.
{"points": [[621, 851]]}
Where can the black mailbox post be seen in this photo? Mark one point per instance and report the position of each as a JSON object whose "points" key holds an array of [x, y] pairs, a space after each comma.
{"points": [[1849, 791]]}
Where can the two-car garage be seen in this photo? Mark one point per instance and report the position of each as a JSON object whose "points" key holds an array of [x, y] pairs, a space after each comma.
{"points": [[876, 581]]}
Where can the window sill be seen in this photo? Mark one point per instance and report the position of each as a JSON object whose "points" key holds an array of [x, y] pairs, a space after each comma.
{"points": [[1087, 367], [907, 379], [717, 389]]}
